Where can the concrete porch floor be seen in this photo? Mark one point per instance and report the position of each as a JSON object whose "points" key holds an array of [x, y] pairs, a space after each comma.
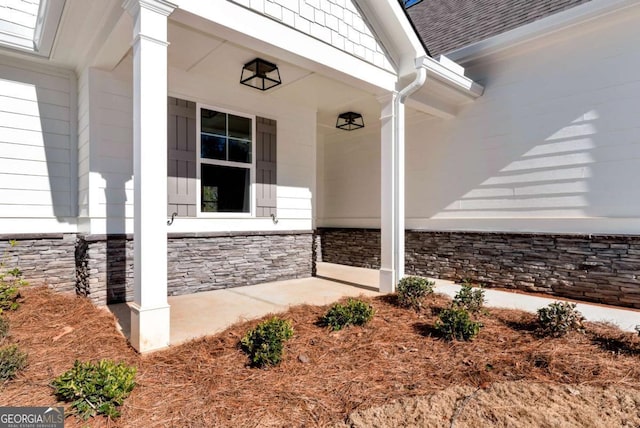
{"points": [[211, 312]]}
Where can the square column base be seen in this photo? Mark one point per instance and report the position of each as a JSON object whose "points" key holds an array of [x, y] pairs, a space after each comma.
{"points": [[387, 284], [150, 328]]}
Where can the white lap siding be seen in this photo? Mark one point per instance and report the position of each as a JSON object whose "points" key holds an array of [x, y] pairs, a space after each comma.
{"points": [[37, 148], [551, 146]]}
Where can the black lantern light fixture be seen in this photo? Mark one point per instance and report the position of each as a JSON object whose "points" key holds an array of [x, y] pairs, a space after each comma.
{"points": [[350, 121], [260, 74]]}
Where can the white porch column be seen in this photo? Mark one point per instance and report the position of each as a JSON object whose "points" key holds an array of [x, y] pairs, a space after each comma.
{"points": [[392, 189], [150, 320]]}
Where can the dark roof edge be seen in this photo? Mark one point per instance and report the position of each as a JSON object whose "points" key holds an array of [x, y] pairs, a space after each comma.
{"points": [[415, 29], [530, 31]]}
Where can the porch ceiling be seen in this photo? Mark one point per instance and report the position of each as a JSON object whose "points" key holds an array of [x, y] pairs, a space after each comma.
{"points": [[98, 34], [204, 55]]}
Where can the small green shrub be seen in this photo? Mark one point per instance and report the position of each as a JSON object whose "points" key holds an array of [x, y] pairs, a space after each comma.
{"points": [[4, 327], [455, 323], [469, 298], [95, 388], [354, 312], [558, 318], [265, 343], [12, 360], [10, 282], [412, 290]]}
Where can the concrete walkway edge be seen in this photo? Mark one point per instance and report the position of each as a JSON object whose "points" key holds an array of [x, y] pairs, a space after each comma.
{"points": [[625, 319]]}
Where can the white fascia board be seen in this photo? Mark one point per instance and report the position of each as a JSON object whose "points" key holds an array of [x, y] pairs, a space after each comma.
{"points": [[445, 90], [49, 16], [392, 26], [48, 20], [559, 21], [265, 35], [451, 78]]}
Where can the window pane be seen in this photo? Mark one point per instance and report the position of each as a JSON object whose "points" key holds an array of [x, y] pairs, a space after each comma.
{"points": [[213, 147], [213, 122], [240, 151], [239, 127], [225, 189]]}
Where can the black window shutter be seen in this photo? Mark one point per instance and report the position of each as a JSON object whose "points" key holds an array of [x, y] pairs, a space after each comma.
{"points": [[181, 157], [266, 171]]}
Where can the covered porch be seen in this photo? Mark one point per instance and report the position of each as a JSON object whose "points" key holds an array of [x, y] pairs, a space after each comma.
{"points": [[210, 312], [192, 56]]}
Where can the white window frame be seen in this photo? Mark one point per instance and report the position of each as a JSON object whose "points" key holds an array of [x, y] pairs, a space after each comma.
{"points": [[251, 167]]}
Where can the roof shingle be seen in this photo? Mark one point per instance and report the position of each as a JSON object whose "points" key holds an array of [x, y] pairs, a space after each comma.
{"points": [[446, 25]]}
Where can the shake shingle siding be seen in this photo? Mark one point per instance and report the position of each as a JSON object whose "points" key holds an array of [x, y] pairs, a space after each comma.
{"points": [[446, 25]]}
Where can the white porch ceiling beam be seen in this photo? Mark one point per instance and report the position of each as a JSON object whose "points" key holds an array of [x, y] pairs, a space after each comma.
{"points": [[249, 29], [116, 45], [150, 320]]}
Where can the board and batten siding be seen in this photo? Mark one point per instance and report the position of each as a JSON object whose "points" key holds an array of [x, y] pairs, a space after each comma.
{"points": [[266, 167], [181, 156], [38, 156]]}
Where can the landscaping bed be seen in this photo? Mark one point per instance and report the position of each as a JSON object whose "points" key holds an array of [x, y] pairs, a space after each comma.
{"points": [[393, 371]]}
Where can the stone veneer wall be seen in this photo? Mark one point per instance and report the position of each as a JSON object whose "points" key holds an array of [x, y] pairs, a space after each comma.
{"points": [[351, 247], [599, 268], [44, 259], [104, 268], [196, 262]]}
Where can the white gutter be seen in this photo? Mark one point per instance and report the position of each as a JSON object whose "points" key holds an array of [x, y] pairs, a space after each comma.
{"points": [[421, 77], [399, 170], [454, 78]]}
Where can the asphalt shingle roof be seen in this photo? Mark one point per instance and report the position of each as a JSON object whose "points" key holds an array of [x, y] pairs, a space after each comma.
{"points": [[446, 25]]}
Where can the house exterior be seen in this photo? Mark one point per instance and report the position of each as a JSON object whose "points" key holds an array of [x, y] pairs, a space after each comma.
{"points": [[134, 164]]}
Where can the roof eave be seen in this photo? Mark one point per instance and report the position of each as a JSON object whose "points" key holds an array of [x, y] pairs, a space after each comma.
{"points": [[446, 89], [452, 78], [548, 25], [48, 21]]}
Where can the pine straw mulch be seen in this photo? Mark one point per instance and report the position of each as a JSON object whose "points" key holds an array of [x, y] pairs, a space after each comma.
{"points": [[207, 382]]}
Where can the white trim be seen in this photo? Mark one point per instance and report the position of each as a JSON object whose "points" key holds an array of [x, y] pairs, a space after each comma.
{"points": [[247, 28], [161, 7], [47, 25], [457, 81], [200, 161], [10, 225], [150, 327], [99, 225], [44, 33], [586, 225], [150, 39], [557, 22], [74, 177], [393, 29]]}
